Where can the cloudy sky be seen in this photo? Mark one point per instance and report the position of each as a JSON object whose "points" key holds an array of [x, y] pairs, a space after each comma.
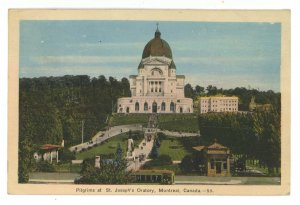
{"points": [[226, 55]]}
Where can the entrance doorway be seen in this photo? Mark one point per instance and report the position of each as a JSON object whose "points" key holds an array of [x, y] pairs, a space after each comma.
{"points": [[127, 110], [218, 167], [181, 110], [154, 107]]}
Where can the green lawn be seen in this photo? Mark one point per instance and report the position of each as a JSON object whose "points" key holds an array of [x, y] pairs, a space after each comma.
{"points": [[108, 147], [174, 148], [67, 167], [179, 122], [122, 119]]}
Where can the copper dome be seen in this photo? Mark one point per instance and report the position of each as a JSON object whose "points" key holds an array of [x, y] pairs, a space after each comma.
{"points": [[157, 47]]}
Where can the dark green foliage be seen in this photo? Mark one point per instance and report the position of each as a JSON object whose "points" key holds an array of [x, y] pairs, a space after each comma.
{"points": [[161, 160], [119, 153], [252, 136], [112, 171], [186, 164], [154, 152], [52, 108], [44, 166], [25, 160], [66, 155], [244, 95]]}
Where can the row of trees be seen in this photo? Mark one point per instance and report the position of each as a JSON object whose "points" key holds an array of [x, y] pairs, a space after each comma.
{"points": [[244, 94], [54, 108], [255, 136]]}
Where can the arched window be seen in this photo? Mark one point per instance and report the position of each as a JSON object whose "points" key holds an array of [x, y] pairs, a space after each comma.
{"points": [[163, 106], [137, 106], [145, 106], [172, 107]]}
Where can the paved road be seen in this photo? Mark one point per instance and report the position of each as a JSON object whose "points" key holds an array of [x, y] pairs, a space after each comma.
{"points": [[102, 136]]}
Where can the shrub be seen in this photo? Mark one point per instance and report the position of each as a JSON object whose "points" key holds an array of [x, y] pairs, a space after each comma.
{"points": [[45, 166], [66, 155], [186, 164]]}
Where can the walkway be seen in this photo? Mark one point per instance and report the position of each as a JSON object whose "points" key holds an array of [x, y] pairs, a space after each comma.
{"points": [[102, 136], [145, 146], [178, 134]]}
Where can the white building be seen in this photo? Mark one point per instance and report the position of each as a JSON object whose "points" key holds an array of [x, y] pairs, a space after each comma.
{"points": [[218, 104], [156, 88]]}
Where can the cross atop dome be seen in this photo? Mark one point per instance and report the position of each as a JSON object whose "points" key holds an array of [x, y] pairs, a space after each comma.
{"points": [[157, 32]]}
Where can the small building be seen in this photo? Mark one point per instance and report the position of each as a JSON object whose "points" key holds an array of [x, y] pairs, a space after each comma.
{"points": [[216, 159], [218, 104], [253, 106], [48, 152]]}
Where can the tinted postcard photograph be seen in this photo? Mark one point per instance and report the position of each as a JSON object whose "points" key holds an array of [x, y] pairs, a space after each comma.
{"points": [[151, 102]]}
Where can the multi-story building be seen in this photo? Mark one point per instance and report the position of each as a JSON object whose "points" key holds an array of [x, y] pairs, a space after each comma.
{"points": [[156, 88], [218, 104]]}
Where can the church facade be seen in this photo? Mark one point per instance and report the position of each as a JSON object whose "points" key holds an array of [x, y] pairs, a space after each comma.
{"points": [[156, 88]]}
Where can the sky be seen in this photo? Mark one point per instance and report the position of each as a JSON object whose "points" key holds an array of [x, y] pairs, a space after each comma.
{"points": [[226, 55]]}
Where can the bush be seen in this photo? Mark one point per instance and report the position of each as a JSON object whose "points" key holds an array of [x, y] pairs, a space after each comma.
{"points": [[186, 164], [66, 155], [45, 166], [162, 160]]}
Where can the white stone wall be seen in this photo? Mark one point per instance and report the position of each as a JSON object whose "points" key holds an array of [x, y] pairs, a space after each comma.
{"points": [[156, 83]]}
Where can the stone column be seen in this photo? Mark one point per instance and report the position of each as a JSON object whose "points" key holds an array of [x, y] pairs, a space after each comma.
{"points": [[57, 156], [51, 156]]}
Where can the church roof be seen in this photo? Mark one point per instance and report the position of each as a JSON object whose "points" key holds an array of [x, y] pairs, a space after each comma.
{"points": [[49, 147], [216, 146], [158, 47]]}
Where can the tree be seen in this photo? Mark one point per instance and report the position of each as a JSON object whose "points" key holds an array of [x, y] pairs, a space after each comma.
{"points": [[66, 155], [199, 90], [188, 91], [25, 157], [154, 152], [267, 131], [211, 90], [186, 164], [119, 153], [111, 171]]}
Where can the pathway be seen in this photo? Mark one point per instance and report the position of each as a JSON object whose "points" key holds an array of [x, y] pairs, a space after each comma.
{"points": [[102, 136]]}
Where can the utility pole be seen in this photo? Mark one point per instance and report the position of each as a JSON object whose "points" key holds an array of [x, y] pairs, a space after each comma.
{"points": [[82, 130]]}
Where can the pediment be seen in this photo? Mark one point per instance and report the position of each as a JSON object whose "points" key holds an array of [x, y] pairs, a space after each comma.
{"points": [[156, 61]]}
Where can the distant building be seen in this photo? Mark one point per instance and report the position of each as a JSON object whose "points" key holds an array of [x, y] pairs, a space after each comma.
{"points": [[156, 88], [253, 106], [218, 104]]}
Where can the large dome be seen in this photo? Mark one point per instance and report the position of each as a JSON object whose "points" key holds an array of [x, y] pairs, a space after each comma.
{"points": [[157, 47]]}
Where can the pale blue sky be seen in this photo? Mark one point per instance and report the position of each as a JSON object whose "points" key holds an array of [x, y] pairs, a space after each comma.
{"points": [[226, 55]]}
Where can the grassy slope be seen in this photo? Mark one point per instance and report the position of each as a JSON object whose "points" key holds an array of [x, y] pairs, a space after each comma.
{"points": [[121, 119], [108, 147], [173, 148], [179, 122]]}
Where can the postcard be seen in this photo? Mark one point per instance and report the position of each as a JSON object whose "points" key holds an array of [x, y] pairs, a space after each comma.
{"points": [[149, 102]]}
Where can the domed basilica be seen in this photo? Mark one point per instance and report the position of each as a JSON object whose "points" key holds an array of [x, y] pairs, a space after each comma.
{"points": [[156, 88]]}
